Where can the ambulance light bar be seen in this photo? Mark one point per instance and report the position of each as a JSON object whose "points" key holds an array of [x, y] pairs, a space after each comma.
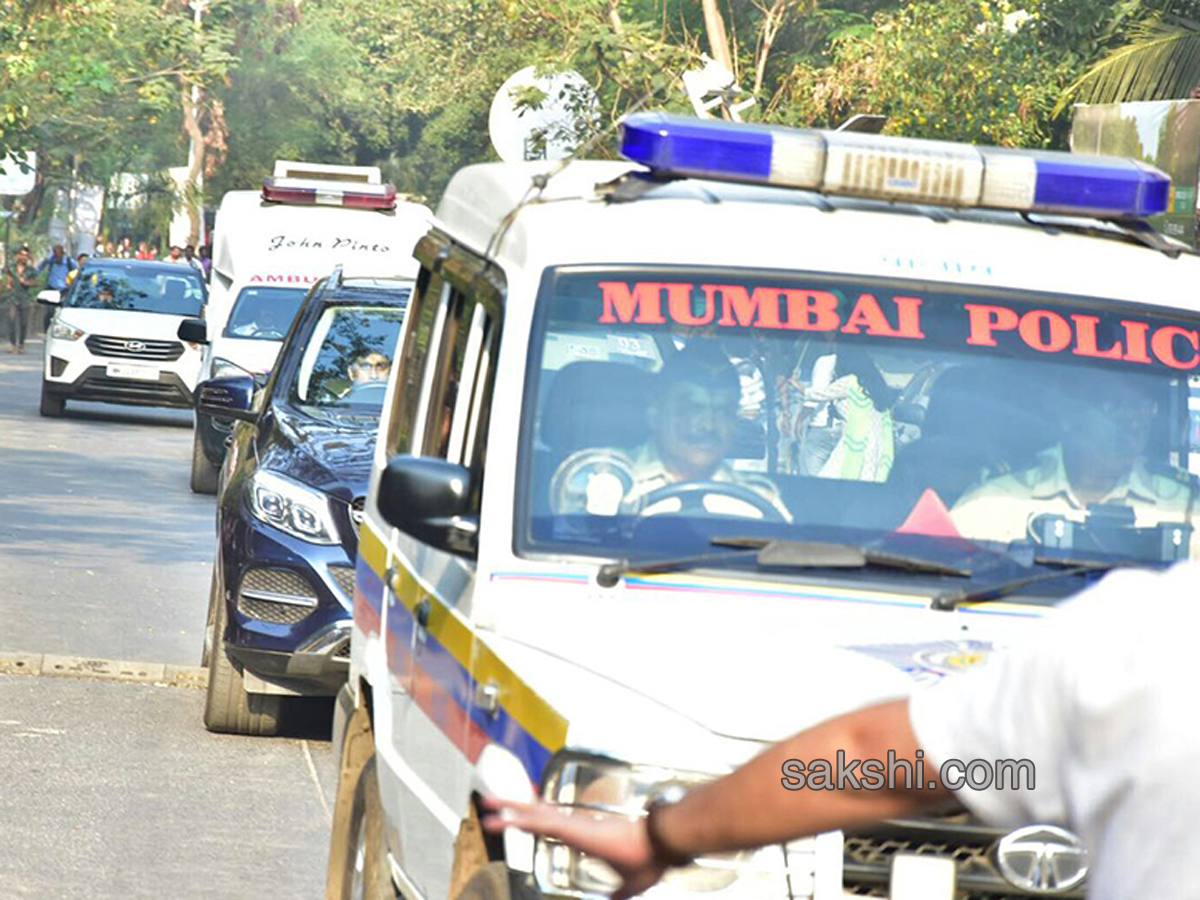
{"points": [[325, 193], [895, 168]]}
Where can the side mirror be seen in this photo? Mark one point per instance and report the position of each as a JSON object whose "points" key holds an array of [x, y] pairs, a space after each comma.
{"points": [[430, 499], [193, 331], [49, 298], [228, 397]]}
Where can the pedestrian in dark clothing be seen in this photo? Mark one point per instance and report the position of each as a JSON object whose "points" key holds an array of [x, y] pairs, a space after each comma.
{"points": [[19, 300]]}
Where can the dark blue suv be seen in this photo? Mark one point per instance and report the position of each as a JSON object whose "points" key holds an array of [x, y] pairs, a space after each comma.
{"points": [[291, 496]]}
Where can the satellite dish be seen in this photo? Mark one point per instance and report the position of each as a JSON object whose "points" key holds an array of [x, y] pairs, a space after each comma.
{"points": [[523, 128]]}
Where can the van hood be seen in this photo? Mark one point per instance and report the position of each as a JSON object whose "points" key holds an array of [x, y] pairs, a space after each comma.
{"points": [[749, 659], [122, 323]]}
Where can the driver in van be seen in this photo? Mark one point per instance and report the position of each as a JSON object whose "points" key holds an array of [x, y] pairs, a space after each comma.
{"points": [[693, 420], [1101, 459]]}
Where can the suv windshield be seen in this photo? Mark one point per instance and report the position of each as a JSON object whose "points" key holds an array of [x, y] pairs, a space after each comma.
{"points": [[348, 359], [132, 287], [666, 408], [264, 313]]}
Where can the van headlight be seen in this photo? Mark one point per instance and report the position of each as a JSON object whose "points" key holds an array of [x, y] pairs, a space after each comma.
{"points": [[292, 507], [593, 782], [222, 366], [64, 331]]}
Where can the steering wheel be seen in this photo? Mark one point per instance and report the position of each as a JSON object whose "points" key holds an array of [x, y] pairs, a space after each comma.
{"points": [[368, 392], [691, 496]]}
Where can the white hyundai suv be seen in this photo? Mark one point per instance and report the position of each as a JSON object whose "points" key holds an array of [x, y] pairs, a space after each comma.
{"points": [[113, 338]]}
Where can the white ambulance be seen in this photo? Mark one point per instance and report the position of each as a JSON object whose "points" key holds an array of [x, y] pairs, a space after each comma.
{"points": [[270, 247], [688, 453]]}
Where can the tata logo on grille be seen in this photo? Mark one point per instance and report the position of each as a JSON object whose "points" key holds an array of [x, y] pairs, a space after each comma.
{"points": [[135, 346], [1042, 859]]}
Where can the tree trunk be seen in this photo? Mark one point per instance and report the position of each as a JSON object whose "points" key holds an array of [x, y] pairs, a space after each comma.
{"points": [[191, 125], [718, 40]]}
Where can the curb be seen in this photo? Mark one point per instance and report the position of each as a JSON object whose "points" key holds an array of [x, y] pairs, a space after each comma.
{"points": [[51, 665]]}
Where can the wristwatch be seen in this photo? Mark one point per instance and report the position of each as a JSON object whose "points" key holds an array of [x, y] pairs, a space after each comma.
{"points": [[663, 852]]}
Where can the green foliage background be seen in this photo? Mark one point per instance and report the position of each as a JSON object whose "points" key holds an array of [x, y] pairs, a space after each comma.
{"points": [[94, 85]]}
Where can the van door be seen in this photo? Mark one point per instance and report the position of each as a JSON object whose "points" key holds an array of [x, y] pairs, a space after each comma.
{"points": [[429, 637]]}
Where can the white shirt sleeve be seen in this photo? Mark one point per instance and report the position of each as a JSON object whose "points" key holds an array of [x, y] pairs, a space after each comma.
{"points": [[1070, 700]]}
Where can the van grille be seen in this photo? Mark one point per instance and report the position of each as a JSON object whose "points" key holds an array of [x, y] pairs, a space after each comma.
{"points": [[867, 856]]}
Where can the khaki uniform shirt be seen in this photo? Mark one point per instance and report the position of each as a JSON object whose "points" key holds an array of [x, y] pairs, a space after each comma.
{"points": [[1003, 508]]}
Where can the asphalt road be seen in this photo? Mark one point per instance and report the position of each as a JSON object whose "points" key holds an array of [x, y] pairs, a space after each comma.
{"points": [[112, 788]]}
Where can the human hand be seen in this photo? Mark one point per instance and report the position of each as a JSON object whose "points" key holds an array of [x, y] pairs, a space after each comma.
{"points": [[617, 840]]}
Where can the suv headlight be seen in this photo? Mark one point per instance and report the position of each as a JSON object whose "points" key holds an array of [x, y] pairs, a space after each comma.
{"points": [[64, 331], [292, 507], [592, 782]]}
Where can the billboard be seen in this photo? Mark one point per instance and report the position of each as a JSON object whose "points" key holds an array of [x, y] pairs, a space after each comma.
{"points": [[1164, 133]]}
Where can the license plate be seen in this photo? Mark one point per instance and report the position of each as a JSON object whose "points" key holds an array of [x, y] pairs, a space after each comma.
{"points": [[139, 373]]}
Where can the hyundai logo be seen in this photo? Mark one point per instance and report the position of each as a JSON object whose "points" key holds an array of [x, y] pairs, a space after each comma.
{"points": [[135, 346], [1042, 859]]}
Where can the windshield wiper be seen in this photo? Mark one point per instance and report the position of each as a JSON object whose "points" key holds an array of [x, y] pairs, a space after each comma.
{"points": [[786, 554], [1064, 567]]}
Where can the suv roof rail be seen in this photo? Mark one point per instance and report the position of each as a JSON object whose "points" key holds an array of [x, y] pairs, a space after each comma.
{"points": [[336, 277]]}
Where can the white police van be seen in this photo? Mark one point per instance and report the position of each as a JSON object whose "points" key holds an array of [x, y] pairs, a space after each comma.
{"points": [[687, 453], [270, 247]]}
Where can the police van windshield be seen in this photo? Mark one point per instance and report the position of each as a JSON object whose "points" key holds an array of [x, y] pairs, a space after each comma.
{"points": [[348, 358], [669, 407], [130, 287], [264, 313]]}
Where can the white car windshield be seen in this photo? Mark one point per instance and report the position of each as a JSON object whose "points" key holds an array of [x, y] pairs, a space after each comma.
{"points": [[178, 291], [669, 407]]}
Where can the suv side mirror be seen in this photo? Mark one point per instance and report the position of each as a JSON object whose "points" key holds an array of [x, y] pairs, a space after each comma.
{"points": [[193, 331], [49, 298], [228, 397], [430, 499]]}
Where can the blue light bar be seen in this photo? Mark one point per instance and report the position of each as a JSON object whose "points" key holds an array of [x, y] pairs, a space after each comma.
{"points": [[895, 168]]}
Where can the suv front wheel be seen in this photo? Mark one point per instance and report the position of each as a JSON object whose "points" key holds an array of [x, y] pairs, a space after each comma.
{"points": [[227, 706]]}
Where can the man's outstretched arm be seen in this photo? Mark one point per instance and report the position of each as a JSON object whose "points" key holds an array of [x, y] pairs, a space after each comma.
{"points": [[747, 808]]}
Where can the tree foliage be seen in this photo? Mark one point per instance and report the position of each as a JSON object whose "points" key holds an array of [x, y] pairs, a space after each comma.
{"points": [[104, 86]]}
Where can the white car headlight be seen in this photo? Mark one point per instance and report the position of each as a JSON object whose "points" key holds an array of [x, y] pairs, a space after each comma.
{"points": [[64, 331], [292, 507], [598, 783]]}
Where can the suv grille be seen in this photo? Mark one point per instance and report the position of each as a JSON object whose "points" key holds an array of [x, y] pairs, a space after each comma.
{"points": [[344, 576], [134, 348], [276, 595], [867, 856]]}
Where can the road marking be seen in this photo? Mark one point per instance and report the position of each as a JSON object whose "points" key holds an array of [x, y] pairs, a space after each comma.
{"points": [[312, 771], [55, 666]]}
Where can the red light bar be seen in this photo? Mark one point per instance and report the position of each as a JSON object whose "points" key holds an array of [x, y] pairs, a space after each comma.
{"points": [[329, 193]]}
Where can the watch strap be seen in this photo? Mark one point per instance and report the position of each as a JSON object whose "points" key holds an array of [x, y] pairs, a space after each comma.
{"points": [[663, 851]]}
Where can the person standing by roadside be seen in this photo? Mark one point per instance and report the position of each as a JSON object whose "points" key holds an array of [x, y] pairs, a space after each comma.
{"points": [[59, 266], [143, 251], [206, 261], [79, 261], [22, 281], [189, 256]]}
